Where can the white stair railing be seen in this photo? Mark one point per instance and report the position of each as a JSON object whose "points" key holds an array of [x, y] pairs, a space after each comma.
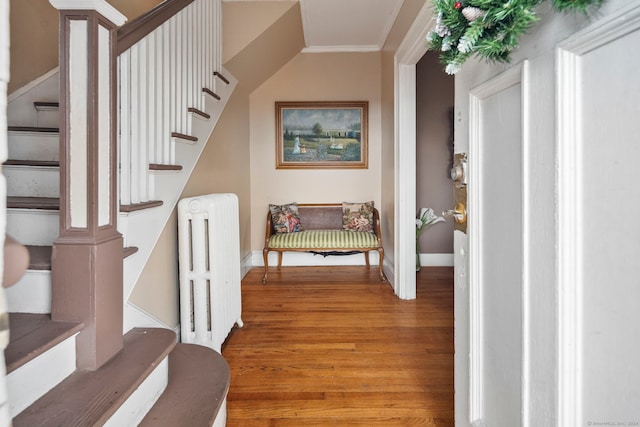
{"points": [[161, 77]]}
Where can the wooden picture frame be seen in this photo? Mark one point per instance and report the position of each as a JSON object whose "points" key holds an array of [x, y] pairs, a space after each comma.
{"points": [[322, 135]]}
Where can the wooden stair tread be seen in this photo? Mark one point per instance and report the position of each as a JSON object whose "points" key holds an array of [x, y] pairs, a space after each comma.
{"points": [[130, 250], [199, 113], [211, 93], [46, 104], [221, 77], [33, 129], [39, 257], [34, 334], [49, 163], [47, 203], [87, 398], [159, 167], [184, 137], [140, 206], [198, 383]]}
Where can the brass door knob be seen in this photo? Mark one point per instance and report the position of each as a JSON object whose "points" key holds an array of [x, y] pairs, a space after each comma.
{"points": [[459, 213]]}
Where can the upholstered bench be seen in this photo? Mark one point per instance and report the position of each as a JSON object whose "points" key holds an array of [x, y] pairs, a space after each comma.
{"points": [[319, 228]]}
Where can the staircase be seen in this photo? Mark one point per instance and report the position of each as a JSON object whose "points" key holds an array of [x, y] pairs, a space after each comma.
{"points": [[152, 380]]}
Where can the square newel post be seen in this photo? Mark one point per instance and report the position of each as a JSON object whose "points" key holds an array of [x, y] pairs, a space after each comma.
{"points": [[87, 257]]}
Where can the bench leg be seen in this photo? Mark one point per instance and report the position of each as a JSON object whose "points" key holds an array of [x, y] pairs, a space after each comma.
{"points": [[366, 259], [383, 278], [265, 256], [279, 260]]}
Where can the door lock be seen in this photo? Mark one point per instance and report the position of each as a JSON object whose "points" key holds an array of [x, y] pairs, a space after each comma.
{"points": [[459, 170]]}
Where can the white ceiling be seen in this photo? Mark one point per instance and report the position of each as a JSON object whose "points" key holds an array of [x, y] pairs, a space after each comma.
{"points": [[346, 25]]}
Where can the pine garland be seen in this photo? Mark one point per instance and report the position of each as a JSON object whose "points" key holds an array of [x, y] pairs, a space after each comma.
{"points": [[489, 29]]}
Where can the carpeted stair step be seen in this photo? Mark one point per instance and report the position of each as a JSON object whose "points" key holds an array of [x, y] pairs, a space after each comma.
{"points": [[91, 398], [198, 384]]}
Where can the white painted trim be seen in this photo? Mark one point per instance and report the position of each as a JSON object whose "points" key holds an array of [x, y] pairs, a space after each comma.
{"points": [[177, 330], [143, 398], [412, 48], [32, 293], [341, 48], [405, 189], [104, 126], [100, 6], [570, 190], [134, 317], [436, 260], [568, 274], [389, 271], [508, 78], [527, 197], [475, 273], [32, 84], [77, 138], [30, 381], [246, 264], [414, 44]]}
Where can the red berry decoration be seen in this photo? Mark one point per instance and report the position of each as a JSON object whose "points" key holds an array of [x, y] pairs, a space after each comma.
{"points": [[458, 5]]}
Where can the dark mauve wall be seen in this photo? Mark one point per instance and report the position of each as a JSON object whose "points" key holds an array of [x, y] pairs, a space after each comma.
{"points": [[434, 101]]}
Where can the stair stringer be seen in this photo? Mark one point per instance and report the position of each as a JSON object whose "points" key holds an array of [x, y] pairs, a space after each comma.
{"points": [[143, 228]]}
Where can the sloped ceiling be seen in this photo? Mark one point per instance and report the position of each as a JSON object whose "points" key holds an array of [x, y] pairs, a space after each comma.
{"points": [[259, 58]]}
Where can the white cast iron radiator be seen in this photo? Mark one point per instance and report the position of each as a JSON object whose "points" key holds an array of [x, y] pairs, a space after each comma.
{"points": [[209, 263]]}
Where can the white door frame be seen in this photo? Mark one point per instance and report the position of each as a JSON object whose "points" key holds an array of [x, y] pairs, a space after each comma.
{"points": [[5, 419], [412, 48]]}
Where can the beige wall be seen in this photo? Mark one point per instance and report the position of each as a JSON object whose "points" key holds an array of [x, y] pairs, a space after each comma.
{"points": [[434, 188], [312, 77], [406, 16], [222, 168], [34, 36], [245, 21]]}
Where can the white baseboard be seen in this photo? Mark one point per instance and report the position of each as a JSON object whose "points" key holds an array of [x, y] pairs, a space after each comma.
{"points": [[246, 264], [436, 260], [291, 259], [135, 317]]}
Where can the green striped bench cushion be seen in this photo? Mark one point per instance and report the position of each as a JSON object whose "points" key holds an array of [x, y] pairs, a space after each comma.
{"points": [[324, 239]]}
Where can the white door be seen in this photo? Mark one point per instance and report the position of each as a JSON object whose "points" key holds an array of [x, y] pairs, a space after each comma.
{"points": [[489, 259], [546, 289]]}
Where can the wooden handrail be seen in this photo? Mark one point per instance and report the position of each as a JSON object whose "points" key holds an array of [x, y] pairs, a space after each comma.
{"points": [[135, 30]]}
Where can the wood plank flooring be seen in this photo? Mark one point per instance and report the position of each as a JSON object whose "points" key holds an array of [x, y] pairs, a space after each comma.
{"points": [[333, 346]]}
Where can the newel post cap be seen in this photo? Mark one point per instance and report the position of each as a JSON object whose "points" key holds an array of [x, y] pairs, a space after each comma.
{"points": [[100, 6]]}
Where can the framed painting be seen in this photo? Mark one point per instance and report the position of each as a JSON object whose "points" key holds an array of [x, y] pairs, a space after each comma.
{"points": [[322, 135]]}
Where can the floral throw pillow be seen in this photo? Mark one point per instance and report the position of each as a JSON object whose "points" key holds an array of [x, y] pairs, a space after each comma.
{"points": [[357, 216], [285, 218]]}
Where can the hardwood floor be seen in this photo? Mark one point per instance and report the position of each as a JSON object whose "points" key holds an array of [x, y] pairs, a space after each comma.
{"points": [[333, 346]]}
